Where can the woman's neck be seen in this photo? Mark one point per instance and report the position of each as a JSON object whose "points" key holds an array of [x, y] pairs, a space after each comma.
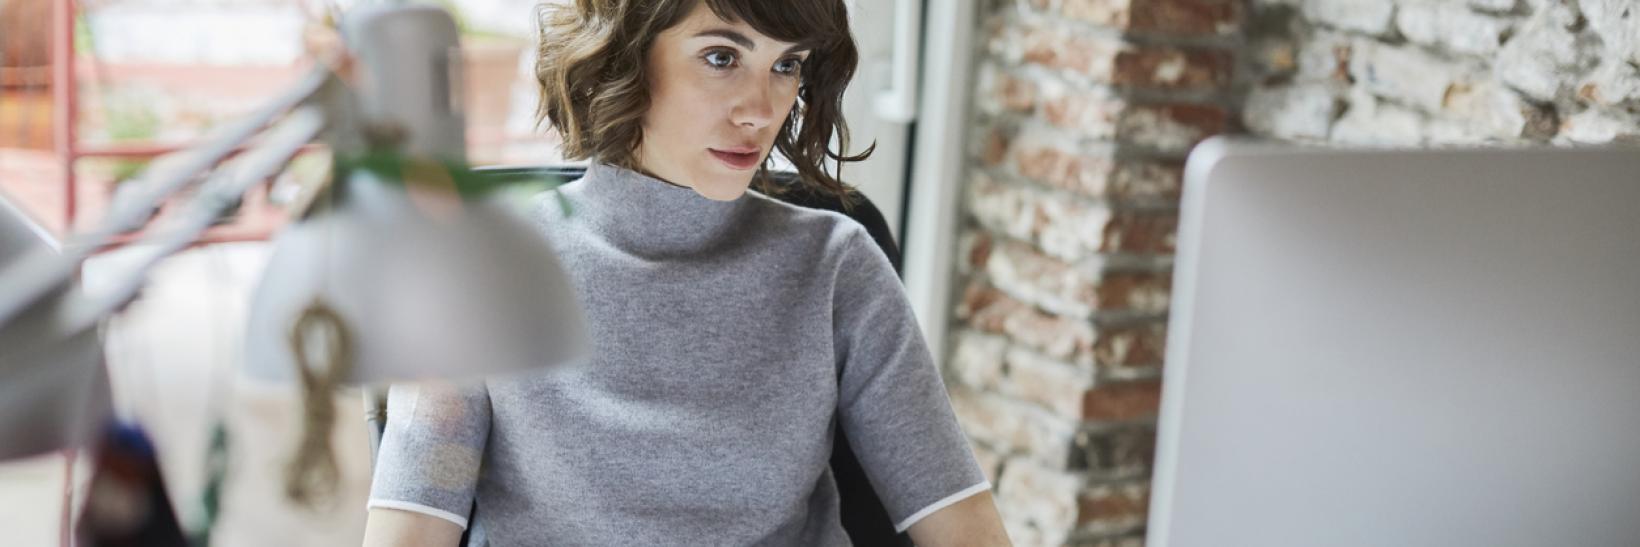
{"points": [[651, 216]]}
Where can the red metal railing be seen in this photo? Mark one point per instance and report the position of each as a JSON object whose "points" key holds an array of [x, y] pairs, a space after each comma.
{"points": [[64, 89]]}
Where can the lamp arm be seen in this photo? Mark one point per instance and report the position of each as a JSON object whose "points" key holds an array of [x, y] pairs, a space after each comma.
{"points": [[30, 277], [217, 195]]}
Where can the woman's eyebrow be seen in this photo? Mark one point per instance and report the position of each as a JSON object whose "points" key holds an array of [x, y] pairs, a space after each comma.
{"points": [[741, 39]]}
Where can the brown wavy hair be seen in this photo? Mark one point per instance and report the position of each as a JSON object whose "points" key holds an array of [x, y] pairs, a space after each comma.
{"points": [[594, 86]]}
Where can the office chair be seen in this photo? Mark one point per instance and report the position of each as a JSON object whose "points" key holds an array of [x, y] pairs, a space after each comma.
{"points": [[863, 516]]}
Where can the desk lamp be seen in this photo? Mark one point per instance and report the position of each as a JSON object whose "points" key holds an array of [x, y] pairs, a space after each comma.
{"points": [[407, 266]]}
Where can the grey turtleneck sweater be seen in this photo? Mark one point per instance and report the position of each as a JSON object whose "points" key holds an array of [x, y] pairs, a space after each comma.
{"points": [[728, 339]]}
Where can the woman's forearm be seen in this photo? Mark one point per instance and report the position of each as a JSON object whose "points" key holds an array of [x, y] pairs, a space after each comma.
{"points": [[972, 522], [395, 528]]}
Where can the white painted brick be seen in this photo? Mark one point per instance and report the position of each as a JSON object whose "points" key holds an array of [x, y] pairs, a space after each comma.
{"points": [[1367, 122], [977, 359], [1546, 54], [1056, 385], [1325, 56], [1451, 27], [1498, 6], [1617, 22], [1065, 228], [1015, 427], [1040, 497], [1295, 112], [1369, 16], [1406, 74], [1487, 110], [1596, 126], [1040, 280], [1614, 83]]}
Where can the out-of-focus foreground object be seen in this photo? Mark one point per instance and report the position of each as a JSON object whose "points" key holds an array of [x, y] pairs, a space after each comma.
{"points": [[438, 281], [1411, 348], [409, 265], [53, 387]]}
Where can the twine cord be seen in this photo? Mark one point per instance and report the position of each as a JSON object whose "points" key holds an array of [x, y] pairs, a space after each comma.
{"points": [[312, 475]]}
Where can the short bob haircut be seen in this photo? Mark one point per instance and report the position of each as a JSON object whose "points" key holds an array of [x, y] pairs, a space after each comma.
{"points": [[594, 87]]}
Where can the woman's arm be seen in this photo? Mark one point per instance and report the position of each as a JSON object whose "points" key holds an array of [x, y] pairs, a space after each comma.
{"points": [[427, 470], [395, 528], [893, 407], [970, 522]]}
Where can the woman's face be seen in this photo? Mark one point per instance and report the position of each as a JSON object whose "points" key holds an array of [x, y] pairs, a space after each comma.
{"points": [[719, 93]]}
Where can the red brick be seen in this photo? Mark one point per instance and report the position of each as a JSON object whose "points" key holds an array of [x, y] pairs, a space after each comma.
{"points": [[1084, 174], [977, 359], [1096, 175], [1099, 116], [1056, 385], [1068, 229], [990, 310], [976, 247], [1171, 68], [1111, 13], [1172, 127], [1111, 59], [1148, 180], [1112, 509], [1123, 401], [1014, 427], [1181, 17], [1094, 56], [1116, 452], [1141, 233], [995, 149], [1047, 282], [1015, 94], [1187, 17], [1064, 289], [1093, 115], [1041, 497], [1131, 346], [1139, 292], [1135, 346]]}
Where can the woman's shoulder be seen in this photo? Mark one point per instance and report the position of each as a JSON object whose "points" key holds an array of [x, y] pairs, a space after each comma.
{"points": [[792, 220]]}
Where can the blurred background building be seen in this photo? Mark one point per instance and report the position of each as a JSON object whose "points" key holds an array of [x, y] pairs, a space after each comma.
{"points": [[1071, 150]]}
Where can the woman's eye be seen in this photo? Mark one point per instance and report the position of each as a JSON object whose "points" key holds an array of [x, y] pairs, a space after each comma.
{"points": [[719, 59], [789, 66]]}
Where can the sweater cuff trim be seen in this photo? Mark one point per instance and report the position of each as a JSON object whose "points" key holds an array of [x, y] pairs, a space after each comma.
{"points": [[943, 503], [418, 508]]}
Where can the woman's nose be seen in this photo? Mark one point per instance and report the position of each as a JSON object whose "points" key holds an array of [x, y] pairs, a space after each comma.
{"points": [[754, 108]]}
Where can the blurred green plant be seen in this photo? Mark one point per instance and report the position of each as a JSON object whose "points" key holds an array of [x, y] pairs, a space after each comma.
{"points": [[127, 121], [82, 35]]}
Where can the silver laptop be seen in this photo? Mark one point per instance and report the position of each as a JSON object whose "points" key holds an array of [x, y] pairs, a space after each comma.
{"points": [[1407, 348]]}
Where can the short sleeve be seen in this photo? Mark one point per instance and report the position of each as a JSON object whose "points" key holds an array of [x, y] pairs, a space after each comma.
{"points": [[892, 402], [431, 449]]}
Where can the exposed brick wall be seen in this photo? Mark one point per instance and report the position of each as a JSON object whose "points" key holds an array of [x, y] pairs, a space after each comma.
{"points": [[1084, 111], [1442, 72]]}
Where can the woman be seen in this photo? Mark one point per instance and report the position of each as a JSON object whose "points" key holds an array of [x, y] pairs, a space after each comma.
{"points": [[731, 332]]}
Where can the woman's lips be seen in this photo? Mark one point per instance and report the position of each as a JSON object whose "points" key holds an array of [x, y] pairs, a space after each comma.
{"points": [[740, 160]]}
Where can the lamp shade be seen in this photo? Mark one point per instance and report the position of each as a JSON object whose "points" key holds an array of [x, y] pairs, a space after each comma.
{"points": [[470, 288], [54, 390]]}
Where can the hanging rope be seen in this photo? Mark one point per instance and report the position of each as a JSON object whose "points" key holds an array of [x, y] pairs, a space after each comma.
{"points": [[312, 475]]}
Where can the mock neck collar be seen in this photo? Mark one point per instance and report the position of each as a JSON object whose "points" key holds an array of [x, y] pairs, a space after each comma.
{"points": [[652, 217]]}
